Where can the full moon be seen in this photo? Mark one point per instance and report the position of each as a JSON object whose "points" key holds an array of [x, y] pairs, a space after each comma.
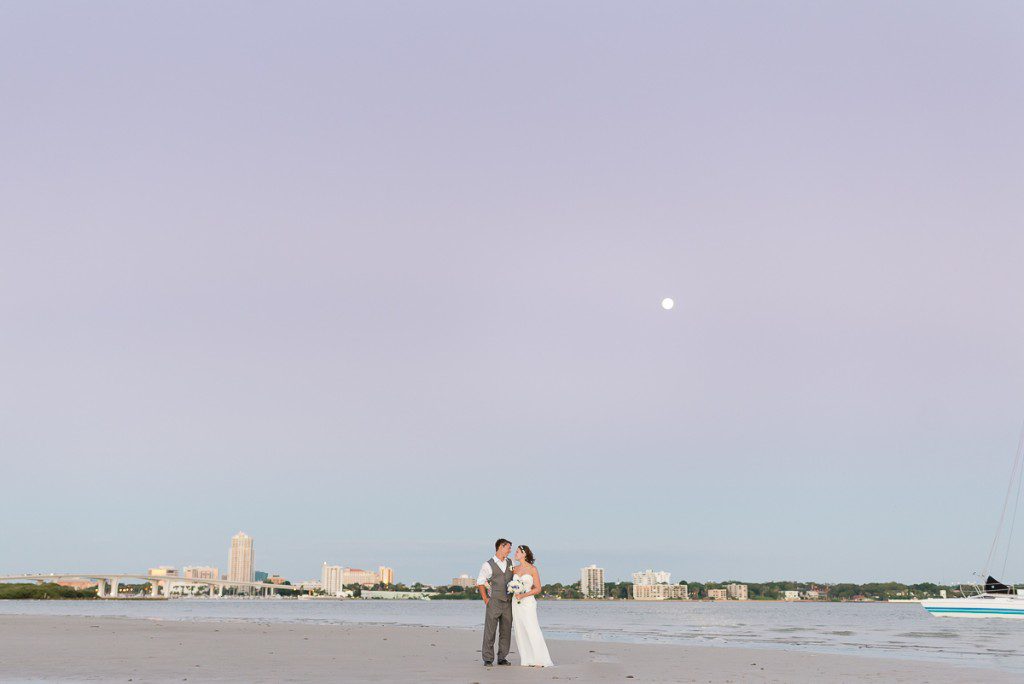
{"points": [[667, 303]]}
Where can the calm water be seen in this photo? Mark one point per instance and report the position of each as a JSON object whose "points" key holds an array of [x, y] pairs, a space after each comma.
{"points": [[882, 630]]}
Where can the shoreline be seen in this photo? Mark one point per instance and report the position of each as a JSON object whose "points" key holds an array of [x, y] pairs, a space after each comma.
{"points": [[60, 648]]}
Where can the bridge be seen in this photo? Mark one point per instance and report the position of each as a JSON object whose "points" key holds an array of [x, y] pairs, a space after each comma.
{"points": [[157, 583]]}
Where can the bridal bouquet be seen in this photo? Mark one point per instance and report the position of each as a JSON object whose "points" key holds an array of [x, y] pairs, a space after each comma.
{"points": [[516, 586]]}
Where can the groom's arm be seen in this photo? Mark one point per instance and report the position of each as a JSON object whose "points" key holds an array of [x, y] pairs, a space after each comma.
{"points": [[481, 582]]}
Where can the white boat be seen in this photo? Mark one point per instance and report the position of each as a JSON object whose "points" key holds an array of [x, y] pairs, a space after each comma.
{"points": [[984, 606], [993, 599]]}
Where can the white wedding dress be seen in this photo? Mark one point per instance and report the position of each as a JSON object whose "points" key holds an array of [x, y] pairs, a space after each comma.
{"points": [[529, 638]]}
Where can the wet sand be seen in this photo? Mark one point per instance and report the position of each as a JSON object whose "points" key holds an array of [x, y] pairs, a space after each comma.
{"points": [[34, 648]]}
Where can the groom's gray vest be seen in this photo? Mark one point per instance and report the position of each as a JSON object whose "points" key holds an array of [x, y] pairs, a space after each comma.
{"points": [[499, 581]]}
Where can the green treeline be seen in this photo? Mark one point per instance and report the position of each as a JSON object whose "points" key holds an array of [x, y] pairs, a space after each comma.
{"points": [[756, 591], [557, 590], [454, 593], [870, 591], [44, 591]]}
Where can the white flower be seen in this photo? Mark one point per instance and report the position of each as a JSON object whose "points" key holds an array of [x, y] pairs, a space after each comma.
{"points": [[516, 586]]}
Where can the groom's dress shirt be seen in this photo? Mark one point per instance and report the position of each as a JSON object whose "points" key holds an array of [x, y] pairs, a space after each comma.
{"points": [[486, 572]]}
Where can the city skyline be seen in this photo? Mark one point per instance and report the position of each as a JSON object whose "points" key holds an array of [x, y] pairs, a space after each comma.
{"points": [[304, 291], [646, 584], [243, 544], [333, 578]]}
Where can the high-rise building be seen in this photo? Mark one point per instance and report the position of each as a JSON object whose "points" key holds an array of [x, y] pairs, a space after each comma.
{"points": [[386, 575], [260, 576], [737, 592], [200, 572], [648, 577], [660, 592], [331, 579], [464, 581], [357, 576], [240, 562], [592, 582]]}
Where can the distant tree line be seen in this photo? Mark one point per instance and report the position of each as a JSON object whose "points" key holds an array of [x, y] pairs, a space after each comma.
{"points": [[763, 591], [872, 591], [756, 591], [454, 593], [47, 590]]}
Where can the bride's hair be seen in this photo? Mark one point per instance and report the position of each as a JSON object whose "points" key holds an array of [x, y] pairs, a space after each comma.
{"points": [[527, 552]]}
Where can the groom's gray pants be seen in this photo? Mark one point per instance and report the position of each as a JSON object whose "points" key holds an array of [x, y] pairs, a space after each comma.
{"points": [[497, 619]]}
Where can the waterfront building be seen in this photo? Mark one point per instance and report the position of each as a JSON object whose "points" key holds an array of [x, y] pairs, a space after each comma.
{"points": [[648, 577], [717, 594], [464, 581], [200, 572], [241, 566], [357, 576], [386, 575], [790, 595], [331, 579], [276, 579], [592, 582], [312, 584], [260, 576], [163, 571], [660, 592], [736, 592]]}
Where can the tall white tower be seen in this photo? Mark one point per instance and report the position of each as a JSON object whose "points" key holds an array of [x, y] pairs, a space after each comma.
{"points": [[241, 567], [592, 581], [331, 577]]}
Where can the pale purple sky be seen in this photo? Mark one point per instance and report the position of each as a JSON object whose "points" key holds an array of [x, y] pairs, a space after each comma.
{"points": [[380, 282]]}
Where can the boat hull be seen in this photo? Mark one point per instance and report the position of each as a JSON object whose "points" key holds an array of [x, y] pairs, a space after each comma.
{"points": [[1001, 607]]}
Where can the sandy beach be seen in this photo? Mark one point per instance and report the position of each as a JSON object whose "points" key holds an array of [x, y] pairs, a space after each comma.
{"points": [[36, 648]]}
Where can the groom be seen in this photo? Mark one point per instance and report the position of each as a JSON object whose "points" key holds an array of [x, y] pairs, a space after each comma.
{"points": [[494, 577]]}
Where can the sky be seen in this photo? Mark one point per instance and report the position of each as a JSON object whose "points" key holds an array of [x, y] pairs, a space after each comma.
{"points": [[380, 282]]}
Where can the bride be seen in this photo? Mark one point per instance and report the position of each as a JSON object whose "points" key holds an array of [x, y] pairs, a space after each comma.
{"points": [[529, 639]]}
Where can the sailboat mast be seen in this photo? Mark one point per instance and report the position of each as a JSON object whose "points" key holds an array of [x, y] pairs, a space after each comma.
{"points": [[1016, 475]]}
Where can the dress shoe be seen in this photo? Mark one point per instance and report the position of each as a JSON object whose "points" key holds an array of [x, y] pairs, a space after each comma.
{"points": [[488, 663], [504, 662]]}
